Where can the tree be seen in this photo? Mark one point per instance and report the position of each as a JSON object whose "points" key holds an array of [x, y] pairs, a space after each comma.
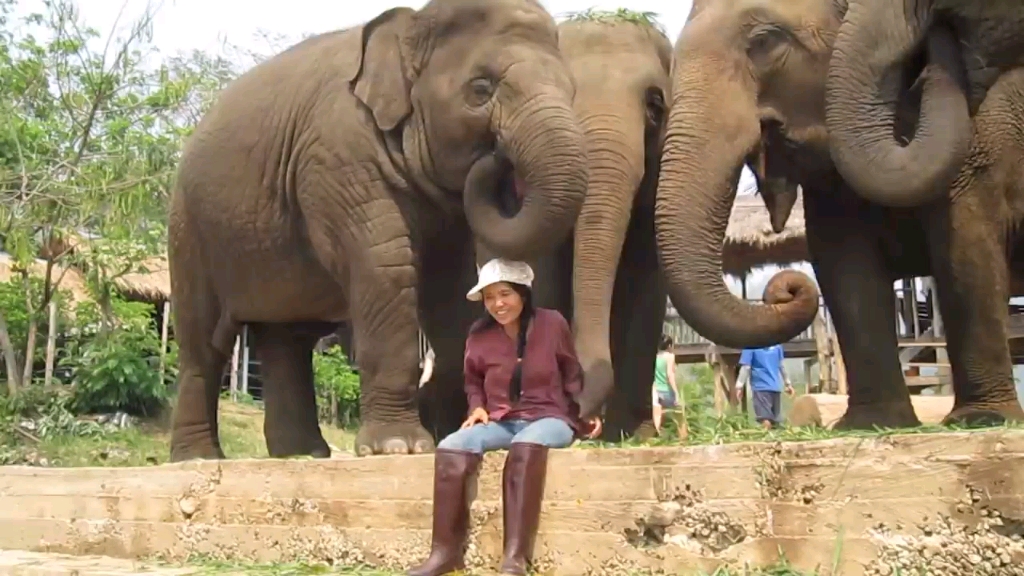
{"points": [[88, 149]]}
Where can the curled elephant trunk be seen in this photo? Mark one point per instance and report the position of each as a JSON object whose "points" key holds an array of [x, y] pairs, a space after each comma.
{"points": [[539, 163], [865, 82], [705, 147], [615, 153]]}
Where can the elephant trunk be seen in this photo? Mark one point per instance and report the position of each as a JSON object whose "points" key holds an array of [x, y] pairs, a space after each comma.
{"points": [[615, 151], [865, 81], [707, 141], [539, 163]]}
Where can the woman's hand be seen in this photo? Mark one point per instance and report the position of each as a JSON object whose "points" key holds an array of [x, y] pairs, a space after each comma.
{"points": [[595, 427], [477, 416]]}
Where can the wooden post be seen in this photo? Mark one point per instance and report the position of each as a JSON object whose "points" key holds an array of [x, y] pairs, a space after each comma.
{"points": [[245, 359], [837, 355], [938, 330], [163, 337], [51, 345], [715, 361], [234, 369], [821, 346]]}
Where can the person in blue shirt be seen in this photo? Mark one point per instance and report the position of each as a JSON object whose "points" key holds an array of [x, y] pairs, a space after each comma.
{"points": [[763, 368]]}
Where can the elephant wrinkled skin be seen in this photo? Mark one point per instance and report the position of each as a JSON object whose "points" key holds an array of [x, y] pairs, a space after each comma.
{"points": [[622, 90], [969, 44], [772, 58], [340, 180]]}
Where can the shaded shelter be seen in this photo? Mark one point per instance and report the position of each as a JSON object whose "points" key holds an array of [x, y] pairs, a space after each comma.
{"points": [[750, 242], [73, 282]]}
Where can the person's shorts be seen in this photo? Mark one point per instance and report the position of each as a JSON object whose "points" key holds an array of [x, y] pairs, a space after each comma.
{"points": [[666, 399], [767, 406]]}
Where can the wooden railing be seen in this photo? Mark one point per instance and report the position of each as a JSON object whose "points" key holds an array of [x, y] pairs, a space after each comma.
{"points": [[684, 335], [916, 326]]}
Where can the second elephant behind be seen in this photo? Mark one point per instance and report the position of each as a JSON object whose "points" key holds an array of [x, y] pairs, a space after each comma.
{"points": [[606, 279]]}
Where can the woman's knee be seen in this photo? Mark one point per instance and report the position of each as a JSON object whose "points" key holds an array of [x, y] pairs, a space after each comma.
{"points": [[461, 440], [550, 432]]}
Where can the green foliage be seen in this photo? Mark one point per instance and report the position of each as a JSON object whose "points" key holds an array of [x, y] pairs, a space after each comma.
{"points": [[48, 412], [117, 370], [14, 306], [620, 15], [336, 380]]}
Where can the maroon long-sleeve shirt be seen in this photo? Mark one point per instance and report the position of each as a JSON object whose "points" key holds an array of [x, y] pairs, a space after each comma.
{"points": [[551, 377]]}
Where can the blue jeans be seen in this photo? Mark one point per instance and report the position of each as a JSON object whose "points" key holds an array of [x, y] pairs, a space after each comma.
{"points": [[500, 435]]}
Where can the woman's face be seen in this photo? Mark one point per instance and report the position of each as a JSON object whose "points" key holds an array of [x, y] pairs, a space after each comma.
{"points": [[502, 302]]}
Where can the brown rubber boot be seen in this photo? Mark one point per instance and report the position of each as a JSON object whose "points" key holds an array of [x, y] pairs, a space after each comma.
{"points": [[454, 473], [523, 490]]}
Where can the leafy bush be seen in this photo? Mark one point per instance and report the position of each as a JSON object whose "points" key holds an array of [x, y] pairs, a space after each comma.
{"points": [[117, 370], [49, 411], [335, 380], [15, 309]]}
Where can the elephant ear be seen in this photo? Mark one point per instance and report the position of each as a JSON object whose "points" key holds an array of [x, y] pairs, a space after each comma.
{"points": [[383, 81]]}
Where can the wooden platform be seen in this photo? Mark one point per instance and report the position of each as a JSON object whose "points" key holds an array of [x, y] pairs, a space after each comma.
{"points": [[607, 511]]}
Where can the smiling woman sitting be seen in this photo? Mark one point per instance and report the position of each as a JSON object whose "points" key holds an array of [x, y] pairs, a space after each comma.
{"points": [[522, 380]]}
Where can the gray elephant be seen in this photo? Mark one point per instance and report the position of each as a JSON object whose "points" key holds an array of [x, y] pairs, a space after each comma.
{"points": [[340, 180], [749, 78], [606, 279], [878, 52]]}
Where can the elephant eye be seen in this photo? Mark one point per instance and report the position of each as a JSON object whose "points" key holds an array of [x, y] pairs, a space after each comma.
{"points": [[655, 106], [766, 39], [480, 91]]}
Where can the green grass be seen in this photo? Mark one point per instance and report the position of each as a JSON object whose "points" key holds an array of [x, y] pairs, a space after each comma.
{"points": [[620, 15], [148, 443], [782, 568]]}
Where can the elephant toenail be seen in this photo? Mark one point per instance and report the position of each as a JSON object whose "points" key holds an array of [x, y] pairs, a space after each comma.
{"points": [[396, 446]]}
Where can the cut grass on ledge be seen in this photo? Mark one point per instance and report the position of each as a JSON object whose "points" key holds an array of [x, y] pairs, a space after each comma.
{"points": [[220, 568], [736, 428]]}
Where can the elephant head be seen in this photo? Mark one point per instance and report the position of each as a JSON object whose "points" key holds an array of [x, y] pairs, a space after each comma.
{"points": [[473, 98], [879, 48], [748, 87], [622, 70]]}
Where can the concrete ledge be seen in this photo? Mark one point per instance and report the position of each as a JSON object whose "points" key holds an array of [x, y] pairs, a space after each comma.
{"points": [[840, 503]]}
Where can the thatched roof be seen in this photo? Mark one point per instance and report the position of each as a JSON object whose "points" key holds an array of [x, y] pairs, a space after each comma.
{"points": [[154, 285], [750, 242], [72, 280]]}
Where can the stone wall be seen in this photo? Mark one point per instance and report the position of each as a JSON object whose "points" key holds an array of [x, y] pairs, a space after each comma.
{"points": [[953, 500]]}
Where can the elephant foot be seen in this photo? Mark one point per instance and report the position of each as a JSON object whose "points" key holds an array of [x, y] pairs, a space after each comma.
{"points": [[181, 451], [983, 415], [311, 444], [393, 438], [894, 414]]}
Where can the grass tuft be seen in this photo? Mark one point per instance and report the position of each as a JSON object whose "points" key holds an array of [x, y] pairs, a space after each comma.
{"points": [[620, 15]]}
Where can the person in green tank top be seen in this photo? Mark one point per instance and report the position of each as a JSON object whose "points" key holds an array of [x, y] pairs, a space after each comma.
{"points": [[665, 392]]}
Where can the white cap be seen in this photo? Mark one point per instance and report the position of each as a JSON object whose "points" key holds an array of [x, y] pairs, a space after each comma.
{"points": [[501, 270]]}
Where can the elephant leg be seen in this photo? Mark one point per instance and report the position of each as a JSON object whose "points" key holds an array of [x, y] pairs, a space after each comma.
{"points": [[371, 257], [290, 425], [637, 320], [969, 265], [448, 271], [857, 288], [200, 365], [386, 333]]}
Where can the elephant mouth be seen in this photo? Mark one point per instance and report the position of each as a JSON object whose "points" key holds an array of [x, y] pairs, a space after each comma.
{"points": [[509, 189]]}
